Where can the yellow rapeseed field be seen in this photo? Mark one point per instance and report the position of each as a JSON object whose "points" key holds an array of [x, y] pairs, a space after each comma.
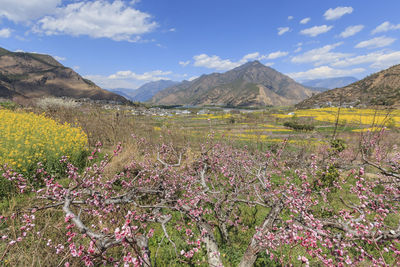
{"points": [[350, 116], [27, 138], [213, 116], [268, 130]]}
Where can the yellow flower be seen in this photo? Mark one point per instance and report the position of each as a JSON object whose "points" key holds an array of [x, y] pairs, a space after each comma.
{"points": [[26, 138]]}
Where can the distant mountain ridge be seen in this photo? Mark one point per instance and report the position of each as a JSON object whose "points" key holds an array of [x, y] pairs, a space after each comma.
{"points": [[32, 75], [125, 92], [378, 89], [251, 84], [148, 90], [145, 92], [329, 83]]}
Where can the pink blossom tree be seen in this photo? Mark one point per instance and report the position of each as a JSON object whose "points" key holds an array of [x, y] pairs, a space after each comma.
{"points": [[316, 213]]}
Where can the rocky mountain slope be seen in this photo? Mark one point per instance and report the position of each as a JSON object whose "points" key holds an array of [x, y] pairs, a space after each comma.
{"points": [[252, 84], [329, 83], [32, 75], [381, 88]]}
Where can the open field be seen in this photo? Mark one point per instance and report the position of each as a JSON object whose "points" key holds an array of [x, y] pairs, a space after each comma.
{"points": [[267, 126], [200, 187]]}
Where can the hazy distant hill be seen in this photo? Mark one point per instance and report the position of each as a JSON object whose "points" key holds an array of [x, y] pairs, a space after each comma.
{"points": [[148, 90], [125, 92], [35, 75], [145, 92], [329, 83], [252, 84], [381, 88]]}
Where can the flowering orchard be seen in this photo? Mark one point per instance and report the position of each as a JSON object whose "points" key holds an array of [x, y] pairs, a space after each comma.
{"points": [[197, 207]]}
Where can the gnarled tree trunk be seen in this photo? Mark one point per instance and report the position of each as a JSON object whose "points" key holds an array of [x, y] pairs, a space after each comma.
{"points": [[253, 248], [213, 254]]}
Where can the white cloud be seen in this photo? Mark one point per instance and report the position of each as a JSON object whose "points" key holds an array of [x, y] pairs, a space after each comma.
{"points": [[362, 59], [299, 47], [283, 30], [98, 19], [76, 68], [251, 56], [184, 63], [376, 42], [26, 10], [316, 30], [378, 60], [192, 78], [5, 33], [305, 20], [351, 30], [215, 62], [386, 60], [20, 38], [386, 26], [147, 76], [320, 56], [324, 72], [59, 58], [332, 14], [128, 79], [277, 54], [107, 83], [290, 17]]}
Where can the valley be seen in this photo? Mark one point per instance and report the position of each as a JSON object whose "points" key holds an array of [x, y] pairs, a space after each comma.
{"points": [[243, 165]]}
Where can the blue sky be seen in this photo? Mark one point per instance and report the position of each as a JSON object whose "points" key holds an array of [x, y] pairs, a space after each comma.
{"points": [[128, 43]]}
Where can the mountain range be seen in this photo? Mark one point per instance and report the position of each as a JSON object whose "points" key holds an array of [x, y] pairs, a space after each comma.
{"points": [[31, 75], [381, 88], [251, 84], [322, 85], [145, 92]]}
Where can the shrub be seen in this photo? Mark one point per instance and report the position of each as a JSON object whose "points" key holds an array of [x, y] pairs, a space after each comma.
{"points": [[7, 188], [338, 145], [327, 178], [231, 120], [9, 105], [298, 127]]}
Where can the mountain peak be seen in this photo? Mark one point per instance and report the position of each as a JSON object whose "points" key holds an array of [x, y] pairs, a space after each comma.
{"points": [[250, 64], [254, 63], [251, 84]]}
